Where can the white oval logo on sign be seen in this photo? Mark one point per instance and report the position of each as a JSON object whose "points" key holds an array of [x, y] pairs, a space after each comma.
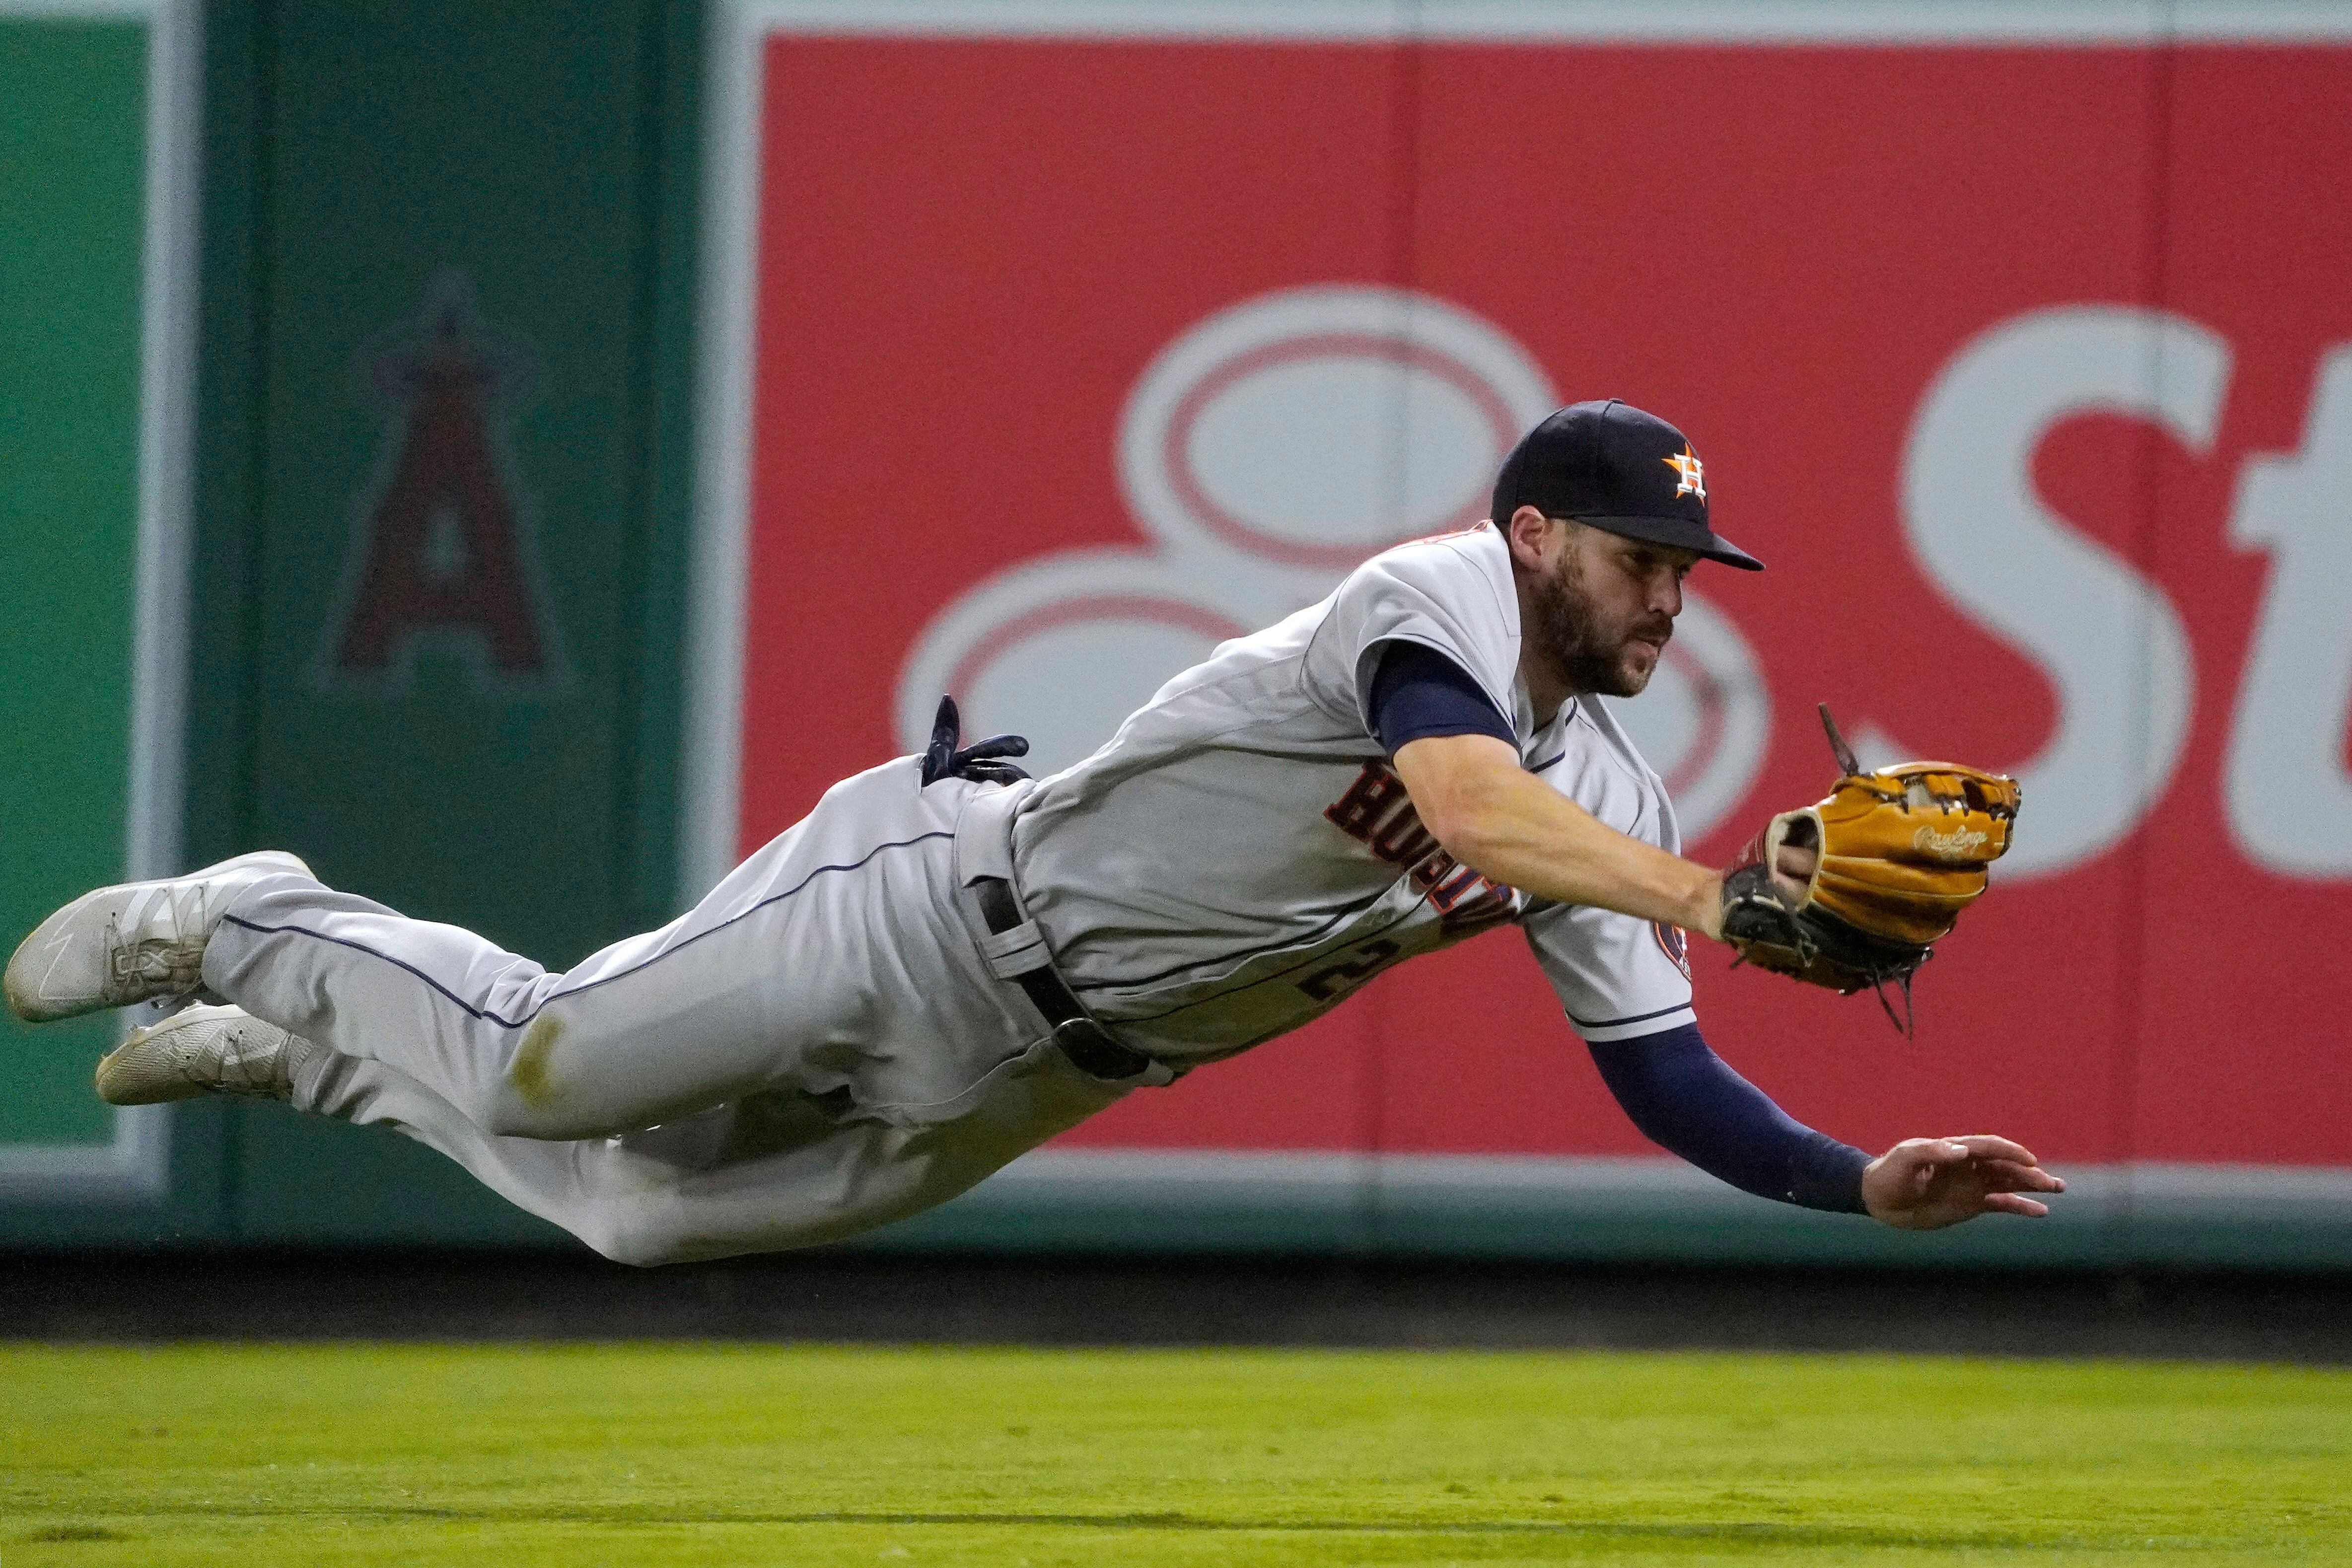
{"points": [[1329, 447], [1267, 451], [1313, 427]]}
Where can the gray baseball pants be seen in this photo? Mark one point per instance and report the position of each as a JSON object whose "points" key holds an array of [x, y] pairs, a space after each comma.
{"points": [[820, 1047]]}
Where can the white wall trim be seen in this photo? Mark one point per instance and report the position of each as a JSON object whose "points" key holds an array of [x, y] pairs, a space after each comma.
{"points": [[170, 277], [2148, 1190], [710, 793], [168, 305], [134, 1168]]}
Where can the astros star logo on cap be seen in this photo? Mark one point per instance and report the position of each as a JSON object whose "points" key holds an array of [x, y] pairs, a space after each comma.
{"points": [[1685, 464]]}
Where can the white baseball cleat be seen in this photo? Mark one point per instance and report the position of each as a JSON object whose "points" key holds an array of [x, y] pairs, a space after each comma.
{"points": [[203, 1050], [132, 943]]}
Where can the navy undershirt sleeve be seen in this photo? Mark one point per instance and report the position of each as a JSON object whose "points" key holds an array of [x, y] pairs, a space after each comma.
{"points": [[1683, 1096], [1687, 1100], [1418, 692]]}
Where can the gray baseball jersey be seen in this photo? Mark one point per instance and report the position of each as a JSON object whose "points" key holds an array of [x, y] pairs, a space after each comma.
{"points": [[1241, 857]]}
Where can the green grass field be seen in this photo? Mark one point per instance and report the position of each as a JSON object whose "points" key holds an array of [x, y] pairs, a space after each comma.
{"points": [[492, 1456]]}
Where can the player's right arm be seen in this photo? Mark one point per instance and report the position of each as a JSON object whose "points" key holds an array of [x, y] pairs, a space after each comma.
{"points": [[1445, 742], [1511, 828], [1422, 638]]}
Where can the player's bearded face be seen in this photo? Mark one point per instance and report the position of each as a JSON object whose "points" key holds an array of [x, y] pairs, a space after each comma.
{"points": [[1598, 624]]}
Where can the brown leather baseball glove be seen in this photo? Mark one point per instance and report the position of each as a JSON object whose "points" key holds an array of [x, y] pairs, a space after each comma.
{"points": [[1899, 853]]}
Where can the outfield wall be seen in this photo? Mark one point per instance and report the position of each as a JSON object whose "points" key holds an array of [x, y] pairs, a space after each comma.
{"points": [[559, 376]]}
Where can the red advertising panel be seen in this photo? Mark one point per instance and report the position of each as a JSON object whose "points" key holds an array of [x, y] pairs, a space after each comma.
{"points": [[2027, 370]]}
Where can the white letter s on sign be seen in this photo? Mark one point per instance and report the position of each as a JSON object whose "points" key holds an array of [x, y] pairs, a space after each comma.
{"points": [[2110, 642]]}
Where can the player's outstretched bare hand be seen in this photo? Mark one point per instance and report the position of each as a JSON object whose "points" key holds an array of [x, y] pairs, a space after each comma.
{"points": [[1926, 1183]]}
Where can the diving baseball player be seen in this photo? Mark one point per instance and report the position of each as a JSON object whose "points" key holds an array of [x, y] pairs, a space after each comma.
{"points": [[947, 962]]}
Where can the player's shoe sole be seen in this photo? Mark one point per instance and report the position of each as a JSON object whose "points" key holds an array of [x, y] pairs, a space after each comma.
{"points": [[199, 1051], [132, 943]]}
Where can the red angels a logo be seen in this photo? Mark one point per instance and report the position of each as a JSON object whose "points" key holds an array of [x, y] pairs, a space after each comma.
{"points": [[442, 545]]}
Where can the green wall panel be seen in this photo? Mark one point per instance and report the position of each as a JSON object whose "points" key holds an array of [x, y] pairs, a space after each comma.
{"points": [[72, 183], [308, 1181], [479, 162], [445, 501]]}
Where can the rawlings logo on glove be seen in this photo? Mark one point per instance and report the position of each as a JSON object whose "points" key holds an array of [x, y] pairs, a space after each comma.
{"points": [[1896, 854], [1953, 846]]}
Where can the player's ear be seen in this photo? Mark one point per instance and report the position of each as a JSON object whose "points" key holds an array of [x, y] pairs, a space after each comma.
{"points": [[1528, 530]]}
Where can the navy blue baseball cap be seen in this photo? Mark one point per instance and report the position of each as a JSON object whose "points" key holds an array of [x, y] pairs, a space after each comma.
{"points": [[1610, 465]]}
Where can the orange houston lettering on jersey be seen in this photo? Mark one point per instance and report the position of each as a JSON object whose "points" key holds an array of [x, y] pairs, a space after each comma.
{"points": [[1377, 812]]}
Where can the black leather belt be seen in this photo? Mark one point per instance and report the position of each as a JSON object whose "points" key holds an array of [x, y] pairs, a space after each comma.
{"points": [[1087, 1045]]}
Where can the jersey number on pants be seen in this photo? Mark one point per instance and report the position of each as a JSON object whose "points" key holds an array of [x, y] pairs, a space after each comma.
{"points": [[1333, 978]]}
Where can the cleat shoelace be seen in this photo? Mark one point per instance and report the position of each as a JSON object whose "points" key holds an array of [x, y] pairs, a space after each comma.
{"points": [[240, 1070], [164, 955]]}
